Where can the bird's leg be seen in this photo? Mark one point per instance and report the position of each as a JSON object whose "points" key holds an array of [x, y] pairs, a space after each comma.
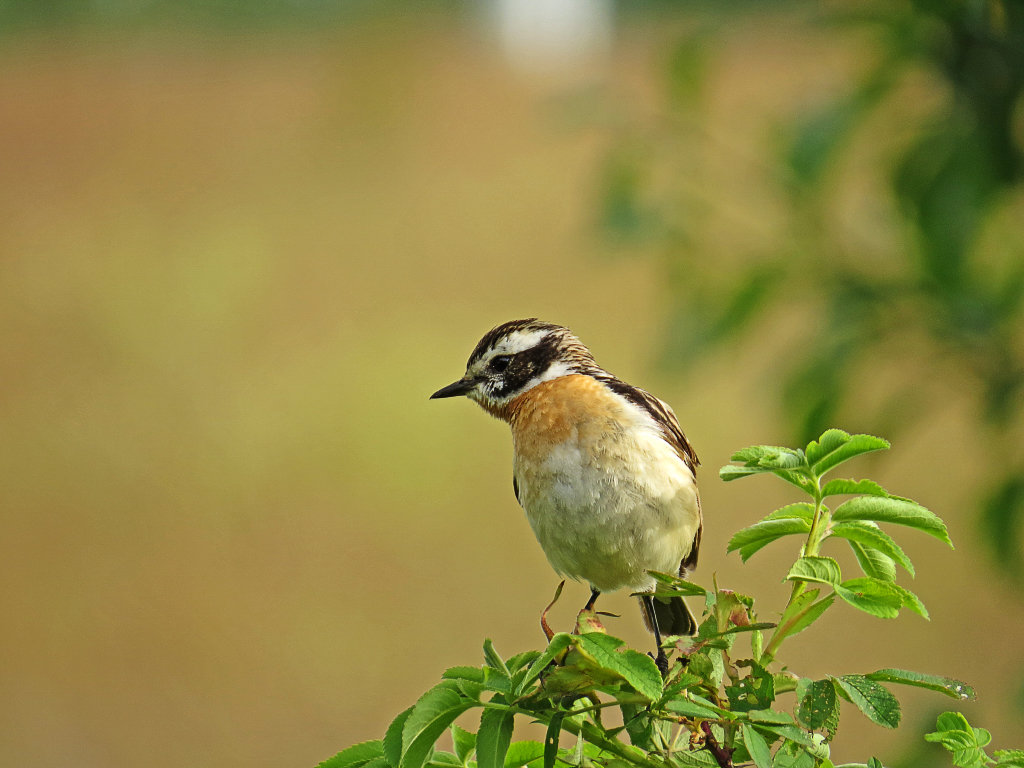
{"points": [[586, 620], [548, 633], [661, 660]]}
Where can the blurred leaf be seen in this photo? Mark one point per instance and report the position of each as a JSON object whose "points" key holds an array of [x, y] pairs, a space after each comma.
{"points": [[892, 510], [872, 699], [1001, 516]]}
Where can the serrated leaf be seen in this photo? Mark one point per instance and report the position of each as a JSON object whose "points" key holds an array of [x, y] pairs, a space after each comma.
{"points": [[522, 752], [808, 613], [822, 570], [830, 440], [854, 446], [493, 659], [892, 510], [869, 534], [494, 737], [819, 708], [752, 538], [800, 510], [879, 598], [875, 564], [464, 742], [756, 746], [429, 718], [1009, 758], [521, 660], [393, 739], [756, 691], [911, 601], [441, 759], [355, 756], [558, 643], [872, 699], [638, 669], [677, 586], [846, 487], [688, 708], [956, 689], [476, 674]]}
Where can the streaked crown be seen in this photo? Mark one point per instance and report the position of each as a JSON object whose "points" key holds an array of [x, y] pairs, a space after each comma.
{"points": [[519, 355]]}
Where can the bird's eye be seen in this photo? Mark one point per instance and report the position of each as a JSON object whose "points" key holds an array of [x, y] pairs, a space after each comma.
{"points": [[500, 363]]}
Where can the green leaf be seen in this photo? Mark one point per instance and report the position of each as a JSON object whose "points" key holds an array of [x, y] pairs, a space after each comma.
{"points": [[872, 699], [688, 708], [830, 440], [520, 660], [845, 487], [493, 737], [551, 738], [558, 643], [441, 759], [879, 598], [911, 601], [355, 756], [806, 611], [875, 564], [393, 739], [756, 746], [475, 674], [823, 570], [429, 718], [844, 450], [819, 708], [966, 743], [638, 669], [801, 510], [677, 586], [464, 743], [522, 752], [493, 659], [892, 510], [752, 538], [1009, 758], [755, 691], [956, 689], [870, 535]]}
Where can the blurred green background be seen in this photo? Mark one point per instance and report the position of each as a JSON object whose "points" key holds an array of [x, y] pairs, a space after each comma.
{"points": [[241, 243]]}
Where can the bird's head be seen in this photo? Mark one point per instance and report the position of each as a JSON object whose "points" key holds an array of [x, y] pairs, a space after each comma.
{"points": [[516, 356]]}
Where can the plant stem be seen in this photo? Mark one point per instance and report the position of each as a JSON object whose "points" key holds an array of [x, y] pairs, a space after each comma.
{"points": [[810, 548]]}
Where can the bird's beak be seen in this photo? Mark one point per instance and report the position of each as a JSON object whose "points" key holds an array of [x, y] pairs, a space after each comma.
{"points": [[460, 387]]}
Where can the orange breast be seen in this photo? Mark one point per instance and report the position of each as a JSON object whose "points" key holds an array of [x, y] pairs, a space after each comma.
{"points": [[572, 407]]}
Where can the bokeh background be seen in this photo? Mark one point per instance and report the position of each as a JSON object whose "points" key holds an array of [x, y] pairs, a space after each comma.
{"points": [[241, 243]]}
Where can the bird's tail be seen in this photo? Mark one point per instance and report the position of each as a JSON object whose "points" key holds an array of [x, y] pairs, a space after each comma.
{"points": [[672, 615]]}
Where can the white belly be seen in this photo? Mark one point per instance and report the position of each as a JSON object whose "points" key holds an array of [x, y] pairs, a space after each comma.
{"points": [[608, 508]]}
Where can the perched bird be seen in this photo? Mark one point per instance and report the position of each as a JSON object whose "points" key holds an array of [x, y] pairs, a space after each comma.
{"points": [[603, 470]]}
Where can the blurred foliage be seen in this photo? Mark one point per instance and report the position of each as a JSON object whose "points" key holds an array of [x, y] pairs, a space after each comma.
{"points": [[923, 148]]}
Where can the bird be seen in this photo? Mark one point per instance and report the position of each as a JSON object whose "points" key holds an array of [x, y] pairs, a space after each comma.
{"points": [[602, 469]]}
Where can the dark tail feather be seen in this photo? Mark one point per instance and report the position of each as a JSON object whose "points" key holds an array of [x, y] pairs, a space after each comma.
{"points": [[672, 615]]}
